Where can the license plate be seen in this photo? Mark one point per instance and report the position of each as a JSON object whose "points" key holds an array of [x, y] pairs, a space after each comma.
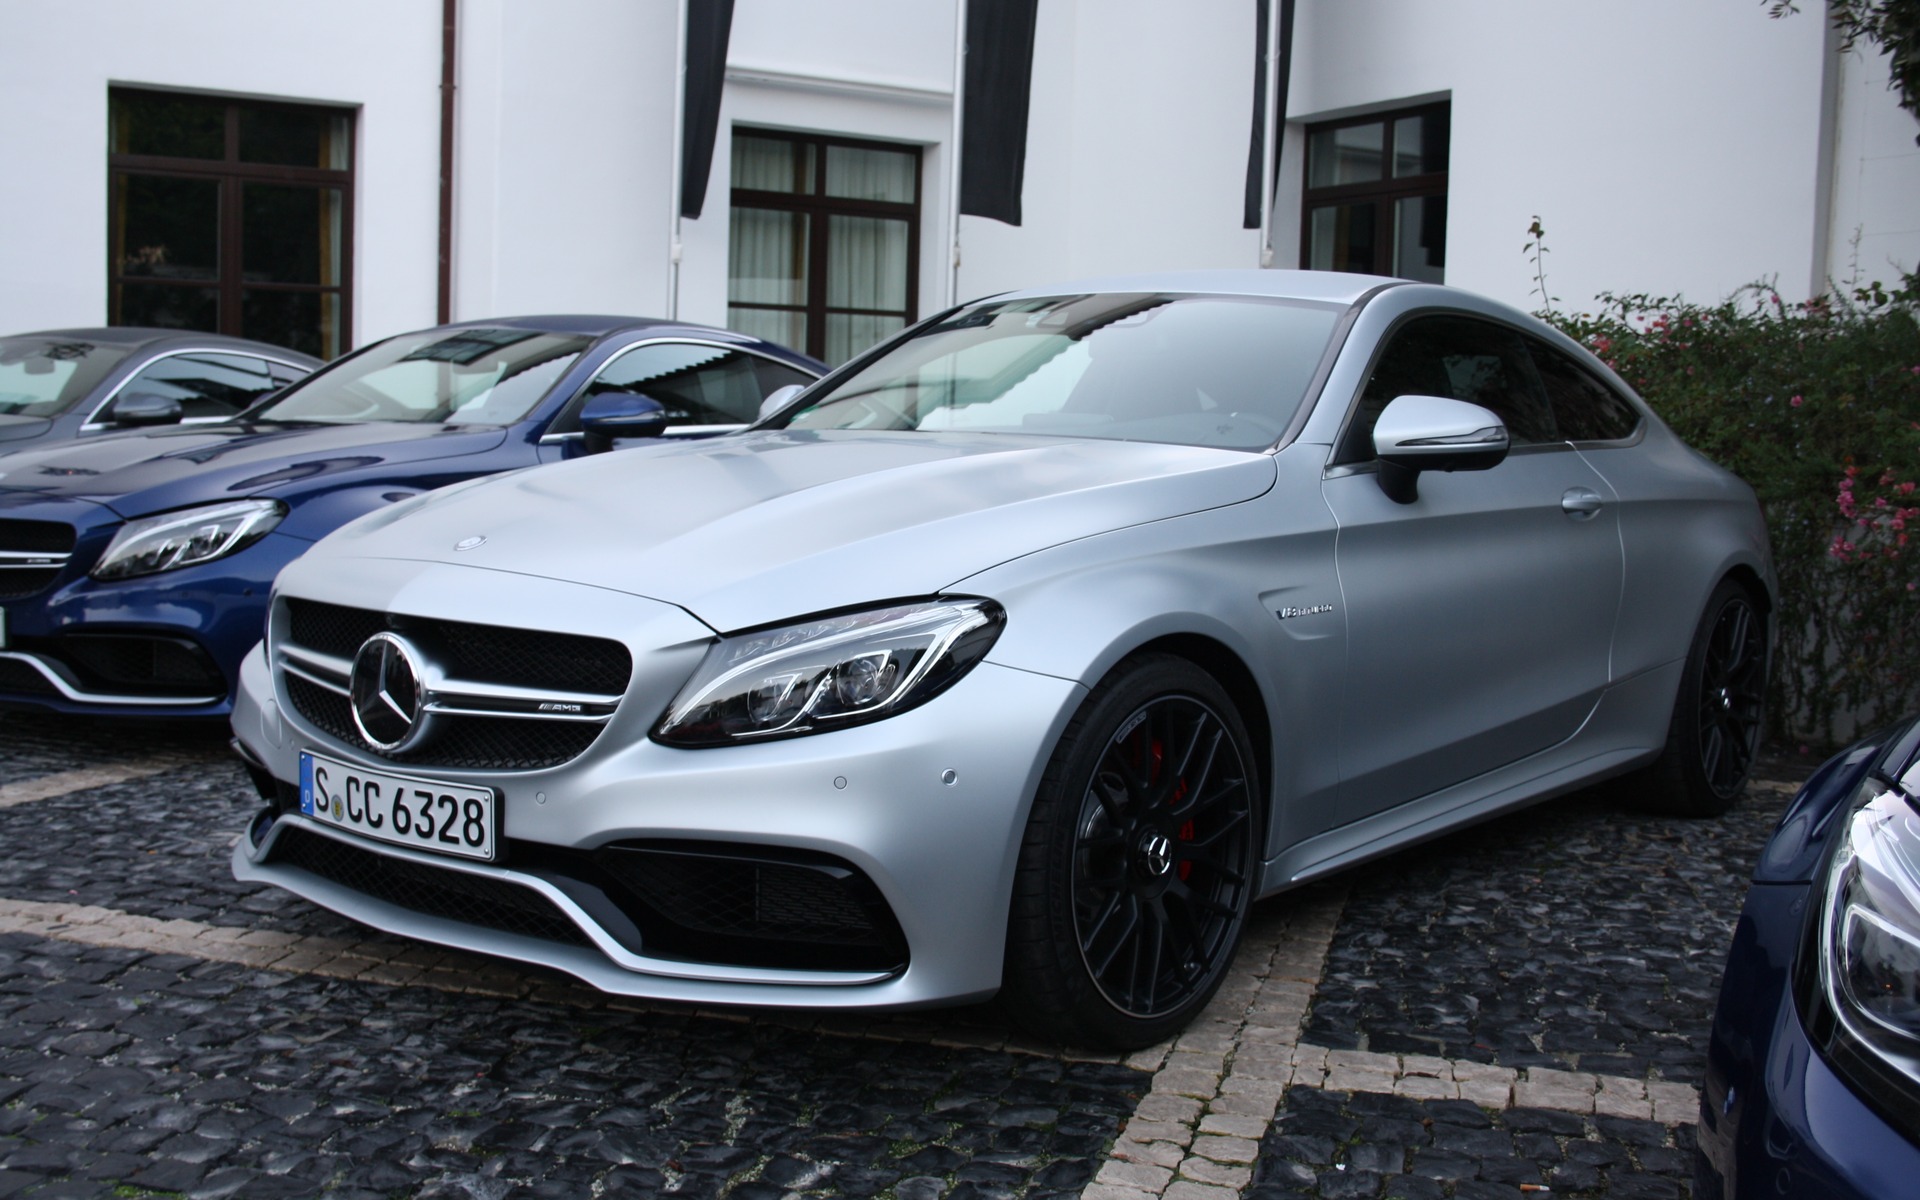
{"points": [[406, 810]]}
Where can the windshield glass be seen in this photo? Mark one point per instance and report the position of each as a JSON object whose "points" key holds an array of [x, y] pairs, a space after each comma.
{"points": [[1197, 370], [441, 376], [44, 377]]}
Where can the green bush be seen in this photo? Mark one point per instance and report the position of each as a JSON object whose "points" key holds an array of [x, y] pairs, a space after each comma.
{"points": [[1817, 405]]}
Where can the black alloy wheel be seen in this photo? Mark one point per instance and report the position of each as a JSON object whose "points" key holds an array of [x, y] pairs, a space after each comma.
{"points": [[1718, 718], [1140, 861]]}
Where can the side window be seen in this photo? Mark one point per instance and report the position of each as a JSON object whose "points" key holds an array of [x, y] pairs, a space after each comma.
{"points": [[206, 385], [1461, 359], [1584, 408], [774, 376], [284, 374], [696, 384]]}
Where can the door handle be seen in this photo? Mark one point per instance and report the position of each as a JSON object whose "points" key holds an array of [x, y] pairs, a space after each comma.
{"points": [[1580, 503]]}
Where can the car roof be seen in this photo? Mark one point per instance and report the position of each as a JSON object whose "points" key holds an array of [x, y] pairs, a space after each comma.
{"points": [[138, 336], [1331, 287]]}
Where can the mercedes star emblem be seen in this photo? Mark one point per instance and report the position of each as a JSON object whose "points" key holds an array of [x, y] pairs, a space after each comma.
{"points": [[387, 694]]}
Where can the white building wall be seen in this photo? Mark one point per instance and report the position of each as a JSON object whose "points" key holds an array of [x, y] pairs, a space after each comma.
{"points": [[1876, 177], [58, 57], [1667, 147], [563, 157]]}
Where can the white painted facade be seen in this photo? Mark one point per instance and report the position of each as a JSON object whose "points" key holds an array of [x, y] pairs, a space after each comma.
{"points": [[1668, 148]]}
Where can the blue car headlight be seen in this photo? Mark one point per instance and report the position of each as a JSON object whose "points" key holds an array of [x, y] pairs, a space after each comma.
{"points": [[1864, 1006], [829, 673], [187, 537]]}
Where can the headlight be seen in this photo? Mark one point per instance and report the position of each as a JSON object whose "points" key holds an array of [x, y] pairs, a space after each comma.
{"points": [[829, 673], [187, 537], [1867, 946]]}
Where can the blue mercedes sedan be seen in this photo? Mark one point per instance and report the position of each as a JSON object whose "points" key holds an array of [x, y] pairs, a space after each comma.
{"points": [[1813, 1069], [135, 568]]}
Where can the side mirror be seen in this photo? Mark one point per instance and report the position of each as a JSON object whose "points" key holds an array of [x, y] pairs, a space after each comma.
{"points": [[1432, 433], [611, 415], [145, 408], [777, 399]]}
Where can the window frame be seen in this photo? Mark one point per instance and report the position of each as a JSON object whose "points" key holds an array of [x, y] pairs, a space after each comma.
{"points": [[232, 174], [819, 209], [93, 423], [565, 428], [1384, 192]]}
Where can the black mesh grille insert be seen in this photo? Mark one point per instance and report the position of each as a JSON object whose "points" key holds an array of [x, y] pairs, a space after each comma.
{"points": [[16, 582], [21, 679], [434, 891], [738, 905], [130, 662], [464, 743], [36, 537], [566, 662]]}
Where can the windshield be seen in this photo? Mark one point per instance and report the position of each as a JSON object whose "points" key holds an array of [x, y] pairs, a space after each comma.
{"points": [[1196, 370], [44, 377], [440, 376]]}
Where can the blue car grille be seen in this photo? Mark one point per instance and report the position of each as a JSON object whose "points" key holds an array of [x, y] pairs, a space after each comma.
{"points": [[32, 555]]}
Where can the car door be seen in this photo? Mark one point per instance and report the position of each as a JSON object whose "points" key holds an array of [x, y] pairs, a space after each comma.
{"points": [[706, 388], [1480, 615]]}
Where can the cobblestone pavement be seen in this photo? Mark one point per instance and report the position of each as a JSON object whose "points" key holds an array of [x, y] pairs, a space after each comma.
{"points": [[1521, 1006]]}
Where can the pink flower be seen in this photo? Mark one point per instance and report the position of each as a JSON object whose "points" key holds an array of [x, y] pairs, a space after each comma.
{"points": [[1796, 402]]}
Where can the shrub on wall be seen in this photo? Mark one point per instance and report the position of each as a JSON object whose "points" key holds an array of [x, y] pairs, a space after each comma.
{"points": [[1817, 405]]}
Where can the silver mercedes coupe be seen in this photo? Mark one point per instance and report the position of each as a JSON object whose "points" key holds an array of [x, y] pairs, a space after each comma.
{"points": [[1019, 655]]}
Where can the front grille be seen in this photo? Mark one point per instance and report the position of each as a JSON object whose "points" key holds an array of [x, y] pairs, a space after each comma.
{"points": [[564, 664], [463, 743], [432, 891], [122, 663], [32, 555], [567, 662], [36, 537], [21, 679]]}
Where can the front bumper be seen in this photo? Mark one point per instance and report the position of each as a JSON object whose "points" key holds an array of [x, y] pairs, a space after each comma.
{"points": [[928, 806], [166, 645], [1775, 1120]]}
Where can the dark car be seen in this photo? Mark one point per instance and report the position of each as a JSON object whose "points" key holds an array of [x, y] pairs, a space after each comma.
{"points": [[68, 383], [1813, 1071], [135, 569]]}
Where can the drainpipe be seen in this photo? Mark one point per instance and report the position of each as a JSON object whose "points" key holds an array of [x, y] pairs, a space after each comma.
{"points": [[449, 48]]}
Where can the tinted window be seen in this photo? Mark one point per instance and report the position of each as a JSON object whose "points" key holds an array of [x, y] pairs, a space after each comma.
{"points": [[1198, 370], [43, 377], [1460, 359], [1585, 409], [206, 385], [696, 384]]}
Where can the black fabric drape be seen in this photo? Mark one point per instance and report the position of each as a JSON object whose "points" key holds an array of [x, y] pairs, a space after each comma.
{"points": [[709, 22], [993, 120], [1258, 198]]}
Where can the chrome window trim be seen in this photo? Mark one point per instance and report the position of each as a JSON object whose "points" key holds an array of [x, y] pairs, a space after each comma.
{"points": [[94, 424]]}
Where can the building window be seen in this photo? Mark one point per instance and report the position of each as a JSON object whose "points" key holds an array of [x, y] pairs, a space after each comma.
{"points": [[230, 216], [1376, 199], [824, 239]]}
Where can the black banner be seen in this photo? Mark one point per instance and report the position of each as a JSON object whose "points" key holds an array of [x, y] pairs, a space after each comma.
{"points": [[993, 120], [708, 24], [1257, 147]]}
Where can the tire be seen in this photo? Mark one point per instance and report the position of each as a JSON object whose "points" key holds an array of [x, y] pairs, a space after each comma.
{"points": [[1139, 861], [1718, 715]]}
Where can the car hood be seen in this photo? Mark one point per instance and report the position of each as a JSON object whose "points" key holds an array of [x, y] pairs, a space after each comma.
{"points": [[757, 528], [139, 473]]}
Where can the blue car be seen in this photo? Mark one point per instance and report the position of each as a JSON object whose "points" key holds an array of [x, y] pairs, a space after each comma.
{"points": [[1813, 1070], [135, 568], [61, 384]]}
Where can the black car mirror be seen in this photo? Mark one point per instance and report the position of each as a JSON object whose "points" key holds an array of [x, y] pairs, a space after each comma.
{"points": [[145, 408], [1432, 433], [609, 415]]}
